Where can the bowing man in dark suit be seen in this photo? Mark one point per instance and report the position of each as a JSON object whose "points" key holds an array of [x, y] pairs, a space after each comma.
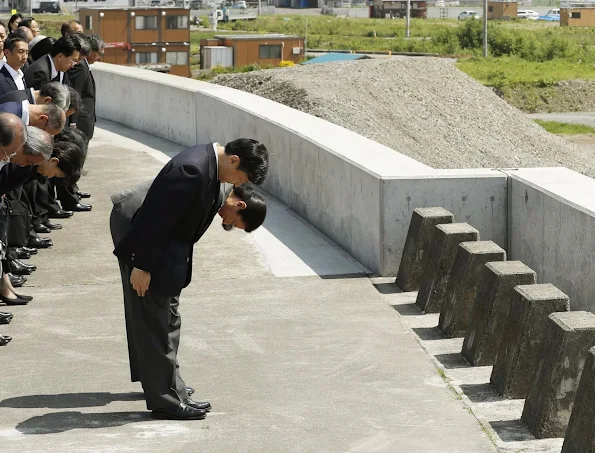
{"points": [[154, 246], [53, 67]]}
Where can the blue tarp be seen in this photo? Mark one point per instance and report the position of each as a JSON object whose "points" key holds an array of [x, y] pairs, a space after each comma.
{"points": [[336, 57]]}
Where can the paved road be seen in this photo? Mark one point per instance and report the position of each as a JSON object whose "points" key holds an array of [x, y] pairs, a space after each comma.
{"points": [[586, 118], [291, 361]]}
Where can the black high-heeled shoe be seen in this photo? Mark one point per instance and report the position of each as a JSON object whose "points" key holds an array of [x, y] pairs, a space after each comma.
{"points": [[22, 296], [17, 301]]}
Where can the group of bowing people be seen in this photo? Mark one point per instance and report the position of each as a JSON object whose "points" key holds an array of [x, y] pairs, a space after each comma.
{"points": [[47, 117]]}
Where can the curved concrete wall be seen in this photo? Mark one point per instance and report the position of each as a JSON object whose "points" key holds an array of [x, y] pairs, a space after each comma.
{"points": [[359, 193]]}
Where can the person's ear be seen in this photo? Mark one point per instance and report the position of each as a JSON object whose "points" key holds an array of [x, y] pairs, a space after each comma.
{"points": [[47, 100], [241, 205], [54, 160], [43, 117], [234, 160]]}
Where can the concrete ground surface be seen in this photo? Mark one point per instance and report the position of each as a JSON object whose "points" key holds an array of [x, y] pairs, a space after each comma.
{"points": [[499, 417], [299, 357]]}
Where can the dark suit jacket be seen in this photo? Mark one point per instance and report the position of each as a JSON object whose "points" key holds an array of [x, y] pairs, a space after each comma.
{"points": [[14, 96], [13, 176], [12, 107], [7, 85], [82, 81], [39, 73], [177, 210]]}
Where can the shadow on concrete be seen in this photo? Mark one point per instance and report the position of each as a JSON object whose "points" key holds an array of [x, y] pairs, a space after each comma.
{"points": [[481, 393], [59, 422], [429, 333], [512, 430], [408, 309], [452, 361], [387, 288], [69, 400]]}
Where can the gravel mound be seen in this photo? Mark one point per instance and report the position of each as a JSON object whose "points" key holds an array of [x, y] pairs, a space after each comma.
{"points": [[422, 107]]}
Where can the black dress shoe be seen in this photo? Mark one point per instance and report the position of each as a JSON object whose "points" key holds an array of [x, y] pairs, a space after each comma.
{"points": [[61, 214], [39, 243], [83, 194], [16, 301], [22, 255], [29, 250], [202, 405], [52, 225], [80, 207], [22, 296], [190, 391], [5, 318], [41, 229], [4, 340], [179, 412], [17, 280], [19, 268]]}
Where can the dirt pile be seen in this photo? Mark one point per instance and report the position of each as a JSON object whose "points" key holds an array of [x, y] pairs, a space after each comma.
{"points": [[424, 107]]}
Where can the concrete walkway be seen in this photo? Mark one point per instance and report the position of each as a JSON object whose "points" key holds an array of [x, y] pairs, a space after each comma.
{"points": [[294, 357]]}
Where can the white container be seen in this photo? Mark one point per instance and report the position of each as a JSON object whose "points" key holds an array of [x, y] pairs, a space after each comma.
{"points": [[217, 56]]}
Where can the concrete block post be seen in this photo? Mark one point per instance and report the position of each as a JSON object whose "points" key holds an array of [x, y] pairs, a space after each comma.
{"points": [[523, 341], [549, 404], [464, 283], [416, 251], [490, 309], [437, 274], [580, 435]]}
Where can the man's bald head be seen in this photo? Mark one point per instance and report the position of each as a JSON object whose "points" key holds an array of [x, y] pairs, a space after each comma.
{"points": [[24, 32], [13, 133]]}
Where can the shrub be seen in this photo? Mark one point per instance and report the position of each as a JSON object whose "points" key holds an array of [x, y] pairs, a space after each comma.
{"points": [[286, 64]]}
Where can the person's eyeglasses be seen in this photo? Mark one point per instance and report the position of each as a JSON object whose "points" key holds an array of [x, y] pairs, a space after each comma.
{"points": [[8, 157], [72, 63]]}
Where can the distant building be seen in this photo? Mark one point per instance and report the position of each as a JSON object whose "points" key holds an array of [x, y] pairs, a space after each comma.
{"points": [[577, 14], [390, 9], [152, 38], [242, 50], [502, 9]]}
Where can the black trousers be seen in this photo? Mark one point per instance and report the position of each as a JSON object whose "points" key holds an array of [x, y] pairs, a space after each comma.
{"points": [[153, 331]]}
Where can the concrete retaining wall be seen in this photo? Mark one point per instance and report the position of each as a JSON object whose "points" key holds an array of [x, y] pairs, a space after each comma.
{"points": [[553, 230], [359, 193]]}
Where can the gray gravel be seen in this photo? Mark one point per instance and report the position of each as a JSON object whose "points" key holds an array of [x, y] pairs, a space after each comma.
{"points": [[422, 107]]}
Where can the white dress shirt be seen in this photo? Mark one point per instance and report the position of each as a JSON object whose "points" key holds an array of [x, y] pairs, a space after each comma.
{"points": [[55, 71]]}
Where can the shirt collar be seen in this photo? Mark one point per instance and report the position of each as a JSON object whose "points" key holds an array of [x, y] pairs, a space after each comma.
{"points": [[25, 114], [215, 147], [54, 70], [14, 73]]}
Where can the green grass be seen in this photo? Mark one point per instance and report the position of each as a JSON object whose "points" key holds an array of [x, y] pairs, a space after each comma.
{"points": [[555, 127], [512, 71]]}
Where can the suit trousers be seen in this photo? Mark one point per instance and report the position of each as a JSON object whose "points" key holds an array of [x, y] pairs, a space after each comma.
{"points": [[153, 331]]}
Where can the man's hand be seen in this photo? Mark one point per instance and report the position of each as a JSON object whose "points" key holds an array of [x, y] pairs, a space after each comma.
{"points": [[140, 280]]}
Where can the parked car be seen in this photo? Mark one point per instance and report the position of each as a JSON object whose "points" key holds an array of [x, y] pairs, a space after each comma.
{"points": [[47, 7], [527, 14], [468, 14]]}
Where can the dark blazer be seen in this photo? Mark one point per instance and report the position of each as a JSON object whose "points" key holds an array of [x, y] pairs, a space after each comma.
{"points": [[39, 73], [177, 210], [12, 107], [13, 176], [14, 96], [82, 81], [7, 84]]}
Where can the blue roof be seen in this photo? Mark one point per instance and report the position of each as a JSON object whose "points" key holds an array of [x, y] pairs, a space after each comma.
{"points": [[336, 57]]}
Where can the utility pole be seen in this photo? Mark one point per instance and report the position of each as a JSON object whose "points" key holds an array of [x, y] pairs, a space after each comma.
{"points": [[306, 41], [408, 20], [485, 28]]}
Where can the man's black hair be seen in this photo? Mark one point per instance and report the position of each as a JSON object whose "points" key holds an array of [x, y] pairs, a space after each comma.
{"points": [[256, 209], [11, 42], [66, 45], [83, 42], [254, 158], [76, 102], [73, 135], [20, 33], [70, 158], [42, 48], [26, 22]]}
